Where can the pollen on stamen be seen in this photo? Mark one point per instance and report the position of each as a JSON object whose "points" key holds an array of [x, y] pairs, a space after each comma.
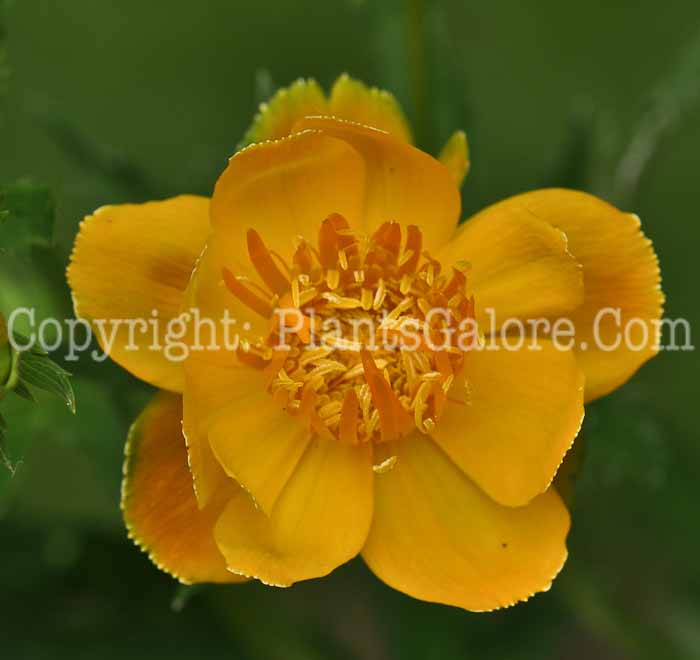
{"points": [[385, 466], [346, 383], [405, 284], [333, 279], [296, 298], [379, 295]]}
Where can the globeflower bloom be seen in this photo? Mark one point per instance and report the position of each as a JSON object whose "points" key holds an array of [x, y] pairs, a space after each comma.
{"points": [[283, 457]]}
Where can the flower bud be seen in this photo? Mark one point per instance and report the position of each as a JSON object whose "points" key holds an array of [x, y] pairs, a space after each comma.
{"points": [[6, 361]]}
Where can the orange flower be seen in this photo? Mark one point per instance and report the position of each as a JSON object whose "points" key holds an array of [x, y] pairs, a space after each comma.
{"points": [[434, 464]]}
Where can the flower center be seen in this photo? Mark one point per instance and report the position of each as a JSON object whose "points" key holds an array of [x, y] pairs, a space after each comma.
{"points": [[366, 334]]}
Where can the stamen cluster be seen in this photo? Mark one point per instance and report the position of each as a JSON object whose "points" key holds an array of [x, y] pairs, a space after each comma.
{"points": [[340, 352]]}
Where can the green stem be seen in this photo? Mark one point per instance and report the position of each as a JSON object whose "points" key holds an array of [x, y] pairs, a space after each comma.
{"points": [[5, 356], [9, 359]]}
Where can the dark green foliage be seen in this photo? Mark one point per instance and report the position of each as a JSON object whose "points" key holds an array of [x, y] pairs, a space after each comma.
{"points": [[26, 217], [36, 369]]}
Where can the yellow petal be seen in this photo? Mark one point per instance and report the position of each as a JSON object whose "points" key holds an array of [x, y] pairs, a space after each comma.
{"points": [[224, 320], [404, 184], [158, 501], [284, 189], [455, 157], [523, 411], [353, 100], [620, 271], [520, 265], [437, 537], [319, 522], [130, 260], [259, 445], [277, 117], [213, 382]]}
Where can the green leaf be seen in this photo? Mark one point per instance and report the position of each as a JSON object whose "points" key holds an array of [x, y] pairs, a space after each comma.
{"points": [[38, 370], [22, 391], [26, 216], [4, 458]]}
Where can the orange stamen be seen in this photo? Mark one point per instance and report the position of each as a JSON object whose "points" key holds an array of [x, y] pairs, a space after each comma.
{"points": [[282, 262], [444, 366], [352, 277], [349, 418], [245, 295], [338, 221], [457, 283], [414, 243], [386, 243], [265, 265], [303, 257], [467, 309], [316, 422], [347, 243], [328, 242], [393, 419], [306, 404], [290, 321]]}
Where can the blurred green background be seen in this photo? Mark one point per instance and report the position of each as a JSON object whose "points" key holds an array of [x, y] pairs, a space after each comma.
{"points": [[125, 101]]}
